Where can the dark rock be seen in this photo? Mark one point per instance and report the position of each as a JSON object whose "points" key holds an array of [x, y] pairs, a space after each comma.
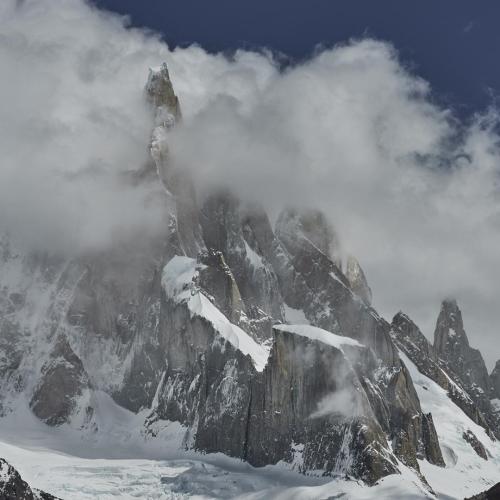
{"points": [[477, 446], [63, 381], [431, 442]]}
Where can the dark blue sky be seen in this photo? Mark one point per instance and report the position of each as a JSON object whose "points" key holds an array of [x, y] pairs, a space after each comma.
{"points": [[454, 44]]}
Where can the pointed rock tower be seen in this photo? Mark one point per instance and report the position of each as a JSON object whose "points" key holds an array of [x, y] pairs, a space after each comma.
{"points": [[452, 345]]}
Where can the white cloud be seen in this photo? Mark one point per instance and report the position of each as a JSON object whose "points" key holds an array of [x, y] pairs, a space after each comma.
{"points": [[412, 192], [344, 402], [72, 124]]}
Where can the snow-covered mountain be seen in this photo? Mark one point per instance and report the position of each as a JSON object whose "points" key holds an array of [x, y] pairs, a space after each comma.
{"points": [[225, 335]]}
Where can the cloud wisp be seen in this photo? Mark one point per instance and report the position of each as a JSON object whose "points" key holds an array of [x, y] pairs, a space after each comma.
{"points": [[412, 192]]}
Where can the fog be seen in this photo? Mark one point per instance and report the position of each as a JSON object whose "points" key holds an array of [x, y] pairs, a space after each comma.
{"points": [[412, 192]]}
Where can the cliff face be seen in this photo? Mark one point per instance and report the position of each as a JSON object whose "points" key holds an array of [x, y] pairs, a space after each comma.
{"points": [[252, 337]]}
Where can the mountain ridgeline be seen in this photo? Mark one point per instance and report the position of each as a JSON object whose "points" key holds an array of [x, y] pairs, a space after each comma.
{"points": [[259, 340]]}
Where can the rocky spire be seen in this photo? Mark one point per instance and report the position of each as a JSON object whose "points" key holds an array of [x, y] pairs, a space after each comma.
{"points": [[452, 345], [160, 92], [449, 334], [185, 231]]}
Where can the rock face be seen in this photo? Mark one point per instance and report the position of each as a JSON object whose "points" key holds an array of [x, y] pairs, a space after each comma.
{"points": [[12, 487], [307, 407]]}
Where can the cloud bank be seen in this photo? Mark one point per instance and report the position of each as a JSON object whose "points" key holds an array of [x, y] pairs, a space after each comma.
{"points": [[412, 192]]}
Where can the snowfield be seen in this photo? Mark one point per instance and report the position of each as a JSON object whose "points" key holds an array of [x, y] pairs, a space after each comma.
{"points": [[73, 477], [118, 461]]}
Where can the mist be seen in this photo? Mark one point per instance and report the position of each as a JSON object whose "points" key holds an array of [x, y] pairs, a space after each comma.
{"points": [[412, 191]]}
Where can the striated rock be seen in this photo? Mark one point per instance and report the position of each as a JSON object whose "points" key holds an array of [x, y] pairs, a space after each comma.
{"points": [[310, 395], [12, 486]]}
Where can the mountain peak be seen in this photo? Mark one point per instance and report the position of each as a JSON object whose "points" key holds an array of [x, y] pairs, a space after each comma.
{"points": [[160, 92], [449, 327], [452, 346]]}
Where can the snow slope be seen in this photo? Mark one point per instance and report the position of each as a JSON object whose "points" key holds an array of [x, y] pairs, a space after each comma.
{"points": [[466, 473]]}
